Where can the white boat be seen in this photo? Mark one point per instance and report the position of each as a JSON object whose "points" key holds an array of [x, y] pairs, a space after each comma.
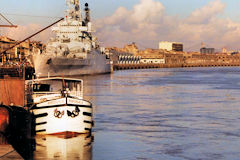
{"points": [[74, 50], [58, 106]]}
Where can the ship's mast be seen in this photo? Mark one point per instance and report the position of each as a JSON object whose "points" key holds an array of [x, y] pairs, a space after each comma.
{"points": [[87, 14], [74, 10]]}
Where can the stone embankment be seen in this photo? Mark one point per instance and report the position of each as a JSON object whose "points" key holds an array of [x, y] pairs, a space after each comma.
{"points": [[148, 66], [156, 58]]}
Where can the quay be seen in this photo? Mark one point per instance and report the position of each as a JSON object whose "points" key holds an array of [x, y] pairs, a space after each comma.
{"points": [[149, 65], [130, 57], [16, 132], [7, 152], [143, 66]]}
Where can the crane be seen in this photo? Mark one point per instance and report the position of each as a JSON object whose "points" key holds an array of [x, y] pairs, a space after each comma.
{"points": [[10, 24], [2, 53]]}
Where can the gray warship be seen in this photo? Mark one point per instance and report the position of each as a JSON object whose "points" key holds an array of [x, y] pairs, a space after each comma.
{"points": [[74, 50]]}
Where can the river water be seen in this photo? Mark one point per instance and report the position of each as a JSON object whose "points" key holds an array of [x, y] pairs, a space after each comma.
{"points": [[171, 114]]}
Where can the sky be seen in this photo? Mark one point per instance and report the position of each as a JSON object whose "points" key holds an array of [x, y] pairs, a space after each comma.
{"points": [[216, 23]]}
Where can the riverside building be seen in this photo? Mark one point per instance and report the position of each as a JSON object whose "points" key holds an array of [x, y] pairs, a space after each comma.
{"points": [[207, 50], [20, 52], [171, 46]]}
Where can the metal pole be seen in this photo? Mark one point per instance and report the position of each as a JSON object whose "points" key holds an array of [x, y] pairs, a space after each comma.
{"points": [[6, 19], [8, 26]]}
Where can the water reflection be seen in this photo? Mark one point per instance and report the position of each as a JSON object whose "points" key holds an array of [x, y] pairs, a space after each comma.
{"points": [[189, 113], [64, 147]]}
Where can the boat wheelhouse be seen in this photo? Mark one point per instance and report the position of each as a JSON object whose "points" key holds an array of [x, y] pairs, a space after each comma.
{"points": [[58, 106]]}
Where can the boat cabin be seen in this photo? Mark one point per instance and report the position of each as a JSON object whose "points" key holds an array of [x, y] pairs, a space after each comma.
{"points": [[39, 90]]}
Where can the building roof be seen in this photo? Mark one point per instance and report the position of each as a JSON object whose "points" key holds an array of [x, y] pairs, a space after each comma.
{"points": [[170, 42], [6, 39]]}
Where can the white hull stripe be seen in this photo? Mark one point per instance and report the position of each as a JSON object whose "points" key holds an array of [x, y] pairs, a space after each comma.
{"points": [[70, 105], [63, 102]]}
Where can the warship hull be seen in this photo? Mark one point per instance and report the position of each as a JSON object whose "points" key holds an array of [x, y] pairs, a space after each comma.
{"points": [[47, 66]]}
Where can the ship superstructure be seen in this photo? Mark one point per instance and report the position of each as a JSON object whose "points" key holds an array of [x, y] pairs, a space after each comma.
{"points": [[74, 50]]}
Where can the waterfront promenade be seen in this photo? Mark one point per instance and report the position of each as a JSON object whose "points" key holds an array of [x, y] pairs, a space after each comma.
{"points": [[130, 57], [149, 65], [7, 152]]}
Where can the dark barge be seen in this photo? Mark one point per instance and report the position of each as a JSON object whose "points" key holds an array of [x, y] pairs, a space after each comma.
{"points": [[16, 122]]}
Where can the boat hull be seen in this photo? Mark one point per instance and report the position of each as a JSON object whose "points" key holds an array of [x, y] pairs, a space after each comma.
{"points": [[65, 115], [46, 65]]}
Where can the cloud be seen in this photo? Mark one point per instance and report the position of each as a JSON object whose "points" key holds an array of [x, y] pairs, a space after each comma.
{"points": [[205, 14], [24, 31], [147, 23], [139, 22]]}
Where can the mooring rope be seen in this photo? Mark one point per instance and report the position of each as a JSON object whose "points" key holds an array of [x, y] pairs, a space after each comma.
{"points": [[7, 154]]}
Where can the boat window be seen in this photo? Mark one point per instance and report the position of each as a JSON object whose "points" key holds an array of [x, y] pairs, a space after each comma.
{"points": [[74, 86], [41, 87], [79, 87]]}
